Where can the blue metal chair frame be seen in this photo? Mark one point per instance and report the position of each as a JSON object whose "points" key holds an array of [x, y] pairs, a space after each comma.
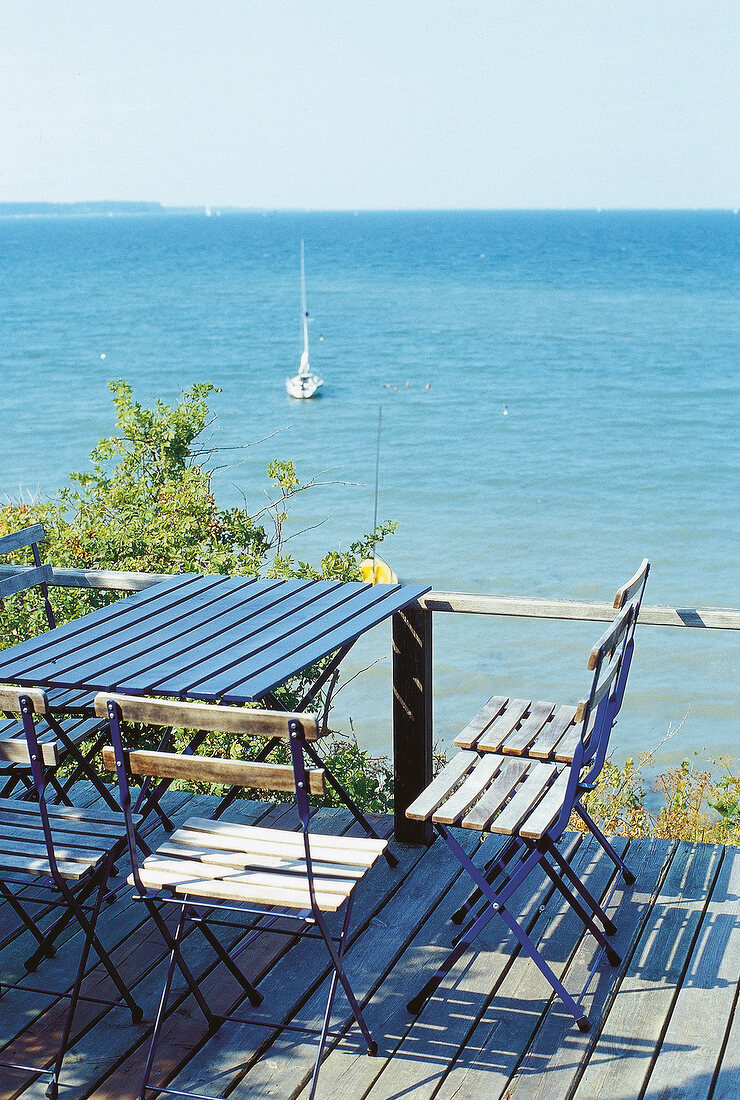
{"points": [[80, 902]]}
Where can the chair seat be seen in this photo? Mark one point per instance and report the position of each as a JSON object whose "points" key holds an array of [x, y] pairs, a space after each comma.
{"points": [[494, 793], [519, 727], [257, 866], [82, 838]]}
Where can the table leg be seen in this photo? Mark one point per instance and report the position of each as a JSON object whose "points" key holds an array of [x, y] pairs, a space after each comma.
{"points": [[412, 718]]}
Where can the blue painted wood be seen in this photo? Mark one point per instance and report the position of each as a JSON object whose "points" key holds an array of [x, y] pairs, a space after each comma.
{"points": [[65, 639], [305, 646], [18, 540], [325, 598], [211, 637], [245, 638], [93, 659], [29, 578], [167, 652]]}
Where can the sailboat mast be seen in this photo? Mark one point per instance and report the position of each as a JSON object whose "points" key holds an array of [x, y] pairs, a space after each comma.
{"points": [[304, 369]]}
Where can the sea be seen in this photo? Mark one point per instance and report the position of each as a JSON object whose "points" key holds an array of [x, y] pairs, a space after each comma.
{"points": [[543, 399]]}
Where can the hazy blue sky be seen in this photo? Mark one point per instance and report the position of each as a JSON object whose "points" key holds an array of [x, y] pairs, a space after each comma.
{"points": [[371, 103]]}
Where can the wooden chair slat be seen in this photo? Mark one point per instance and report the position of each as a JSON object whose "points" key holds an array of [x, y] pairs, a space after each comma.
{"points": [[450, 812], [280, 880], [15, 751], [500, 729], [633, 585], [344, 848], [9, 698], [69, 838], [545, 813], [12, 809], [552, 732], [422, 808], [467, 737], [207, 769], [228, 890], [524, 798], [611, 638], [30, 865], [29, 578], [37, 848], [18, 540], [266, 862], [519, 740], [204, 716], [509, 774]]}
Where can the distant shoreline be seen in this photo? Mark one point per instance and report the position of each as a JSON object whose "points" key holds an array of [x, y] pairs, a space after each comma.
{"points": [[148, 209]]}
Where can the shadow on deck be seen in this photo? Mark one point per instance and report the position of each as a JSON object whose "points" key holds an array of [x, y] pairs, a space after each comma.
{"points": [[664, 1023]]}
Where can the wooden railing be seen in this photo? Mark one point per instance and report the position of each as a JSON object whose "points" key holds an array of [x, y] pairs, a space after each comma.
{"points": [[413, 737]]}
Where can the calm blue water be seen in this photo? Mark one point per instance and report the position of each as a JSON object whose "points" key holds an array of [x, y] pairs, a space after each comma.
{"points": [[611, 338]]}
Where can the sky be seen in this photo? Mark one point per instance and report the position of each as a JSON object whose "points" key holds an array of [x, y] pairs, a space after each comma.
{"points": [[386, 104]]}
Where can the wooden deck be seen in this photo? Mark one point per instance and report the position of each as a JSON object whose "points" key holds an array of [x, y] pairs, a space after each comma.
{"points": [[665, 1024]]}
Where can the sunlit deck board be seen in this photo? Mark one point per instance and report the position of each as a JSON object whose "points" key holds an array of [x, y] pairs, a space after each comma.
{"points": [[663, 1022]]}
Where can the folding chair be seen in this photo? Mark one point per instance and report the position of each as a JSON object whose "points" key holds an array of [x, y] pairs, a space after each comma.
{"points": [[55, 859], [69, 721], [546, 731], [220, 873], [529, 800]]}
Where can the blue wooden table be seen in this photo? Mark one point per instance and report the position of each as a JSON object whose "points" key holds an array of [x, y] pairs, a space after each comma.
{"points": [[236, 639], [215, 638]]}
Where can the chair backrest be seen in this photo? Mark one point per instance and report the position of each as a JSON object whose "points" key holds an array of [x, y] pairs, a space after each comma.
{"points": [[36, 575], [610, 660], [30, 702], [295, 728], [16, 750]]}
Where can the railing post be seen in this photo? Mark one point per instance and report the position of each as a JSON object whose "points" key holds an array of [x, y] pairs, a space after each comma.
{"points": [[412, 718]]}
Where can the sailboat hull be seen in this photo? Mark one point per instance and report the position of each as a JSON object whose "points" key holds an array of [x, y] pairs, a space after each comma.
{"points": [[303, 385]]}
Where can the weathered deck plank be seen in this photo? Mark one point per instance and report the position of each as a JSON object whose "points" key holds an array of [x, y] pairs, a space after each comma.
{"points": [[692, 1045], [667, 1025], [621, 1060], [552, 1063]]}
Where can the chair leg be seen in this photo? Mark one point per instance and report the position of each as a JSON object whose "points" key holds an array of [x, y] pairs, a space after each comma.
{"points": [[255, 997], [496, 906], [26, 919], [492, 869], [52, 1090], [609, 926], [577, 908], [174, 946], [159, 1020], [616, 859], [74, 904], [329, 1007], [336, 958]]}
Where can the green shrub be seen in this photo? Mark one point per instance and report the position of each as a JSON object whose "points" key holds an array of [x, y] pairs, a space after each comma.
{"points": [[146, 504], [690, 794]]}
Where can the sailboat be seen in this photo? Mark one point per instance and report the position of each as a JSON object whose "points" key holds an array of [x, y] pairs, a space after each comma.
{"points": [[305, 383]]}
